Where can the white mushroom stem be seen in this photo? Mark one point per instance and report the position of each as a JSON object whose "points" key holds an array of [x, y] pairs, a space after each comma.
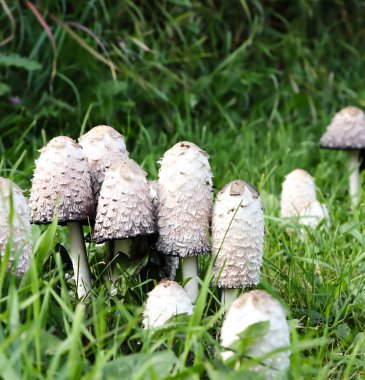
{"points": [[228, 296], [78, 257], [354, 178], [121, 245], [190, 270]]}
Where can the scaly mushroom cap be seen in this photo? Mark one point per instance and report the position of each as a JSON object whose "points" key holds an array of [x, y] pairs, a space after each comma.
{"points": [[346, 131], [15, 229], [166, 300], [102, 146], [238, 235], [185, 201], [313, 214], [61, 179], [250, 308], [298, 191], [125, 207]]}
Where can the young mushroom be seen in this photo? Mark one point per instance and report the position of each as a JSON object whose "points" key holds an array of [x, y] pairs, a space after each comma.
{"points": [[102, 146], [61, 185], [250, 308], [166, 300], [184, 208], [15, 231], [125, 208], [237, 238], [347, 132]]}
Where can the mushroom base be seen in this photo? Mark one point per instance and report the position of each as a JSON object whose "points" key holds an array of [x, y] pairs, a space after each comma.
{"points": [[190, 270]]}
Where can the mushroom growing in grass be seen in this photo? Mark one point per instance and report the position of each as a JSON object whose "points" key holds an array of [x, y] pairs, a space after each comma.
{"points": [[15, 231], [102, 146], [298, 199], [166, 300], [125, 208], [184, 208], [61, 185], [237, 238], [254, 307], [347, 132]]}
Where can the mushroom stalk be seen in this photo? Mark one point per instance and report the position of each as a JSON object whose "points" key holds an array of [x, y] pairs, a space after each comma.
{"points": [[354, 178], [190, 270], [78, 257], [228, 296], [121, 245]]}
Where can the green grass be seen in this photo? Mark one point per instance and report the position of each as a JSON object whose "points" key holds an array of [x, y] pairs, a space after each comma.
{"points": [[254, 84]]}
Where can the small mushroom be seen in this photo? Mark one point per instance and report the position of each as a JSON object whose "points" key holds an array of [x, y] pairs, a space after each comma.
{"points": [[184, 207], [166, 300], [125, 208], [347, 132], [250, 308], [237, 238], [61, 185], [15, 230], [102, 146]]}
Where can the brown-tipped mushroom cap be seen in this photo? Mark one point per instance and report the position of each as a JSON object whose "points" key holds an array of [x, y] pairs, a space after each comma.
{"points": [[61, 179], [125, 207], [15, 229], [102, 146], [237, 235], [185, 201], [346, 131]]}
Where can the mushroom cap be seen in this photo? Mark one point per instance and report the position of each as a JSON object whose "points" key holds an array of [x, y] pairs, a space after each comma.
{"points": [[61, 177], [125, 208], [15, 229], [185, 201], [346, 131], [298, 191], [102, 146], [313, 214], [248, 309], [238, 235], [166, 300]]}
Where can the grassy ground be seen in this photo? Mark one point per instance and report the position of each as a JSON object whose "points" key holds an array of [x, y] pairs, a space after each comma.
{"points": [[254, 84]]}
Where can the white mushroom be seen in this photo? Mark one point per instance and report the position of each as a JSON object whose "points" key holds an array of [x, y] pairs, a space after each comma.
{"points": [[61, 184], [15, 229], [184, 209], [347, 132], [250, 308], [166, 300], [238, 237]]}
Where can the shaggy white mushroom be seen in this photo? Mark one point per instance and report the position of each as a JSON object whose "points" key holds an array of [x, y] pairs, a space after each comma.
{"points": [[238, 237], [14, 226], [250, 308], [61, 184], [166, 300], [184, 209]]}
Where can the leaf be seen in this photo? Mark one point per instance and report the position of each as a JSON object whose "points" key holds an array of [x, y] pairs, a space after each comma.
{"points": [[16, 60], [4, 89], [250, 335]]}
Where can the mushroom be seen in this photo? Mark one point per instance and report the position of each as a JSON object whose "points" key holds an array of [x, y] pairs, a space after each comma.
{"points": [[237, 238], [61, 185], [298, 199], [15, 231], [347, 132], [166, 300], [184, 209], [125, 208], [250, 308], [102, 146]]}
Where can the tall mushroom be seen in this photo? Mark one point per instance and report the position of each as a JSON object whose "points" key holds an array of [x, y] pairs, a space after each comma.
{"points": [[15, 232], [125, 207], [237, 238], [61, 185], [166, 300], [250, 308], [102, 146], [184, 208], [347, 132]]}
